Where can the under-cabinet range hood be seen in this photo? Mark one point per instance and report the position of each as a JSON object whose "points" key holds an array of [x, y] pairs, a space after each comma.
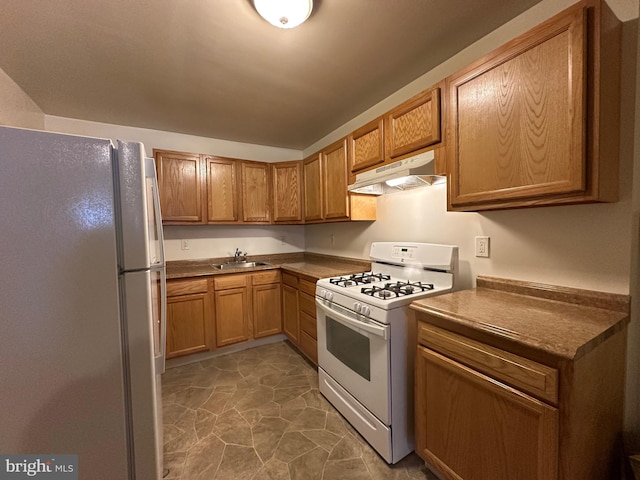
{"points": [[412, 172]]}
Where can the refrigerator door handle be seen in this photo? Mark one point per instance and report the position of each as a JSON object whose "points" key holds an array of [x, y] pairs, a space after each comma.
{"points": [[160, 359], [151, 173]]}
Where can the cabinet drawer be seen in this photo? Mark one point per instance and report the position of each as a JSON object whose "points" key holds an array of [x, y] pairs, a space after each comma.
{"points": [[307, 286], [531, 377], [224, 282], [308, 304], [309, 347], [186, 287], [289, 279], [266, 277], [308, 325]]}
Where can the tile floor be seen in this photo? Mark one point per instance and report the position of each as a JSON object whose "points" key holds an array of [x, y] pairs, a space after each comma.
{"points": [[258, 415]]}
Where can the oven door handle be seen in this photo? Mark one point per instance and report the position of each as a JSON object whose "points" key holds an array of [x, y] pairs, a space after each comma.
{"points": [[353, 323]]}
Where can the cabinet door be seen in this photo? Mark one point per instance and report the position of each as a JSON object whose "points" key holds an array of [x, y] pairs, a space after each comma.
{"points": [[290, 319], [180, 187], [517, 120], [232, 316], [256, 196], [287, 192], [367, 146], [334, 181], [414, 124], [188, 323], [313, 190], [222, 190], [267, 311], [469, 425]]}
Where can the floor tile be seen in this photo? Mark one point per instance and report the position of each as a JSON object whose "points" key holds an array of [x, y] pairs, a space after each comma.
{"points": [[258, 415]]}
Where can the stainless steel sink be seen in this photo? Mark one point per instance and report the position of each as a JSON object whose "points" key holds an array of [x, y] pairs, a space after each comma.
{"points": [[230, 265]]}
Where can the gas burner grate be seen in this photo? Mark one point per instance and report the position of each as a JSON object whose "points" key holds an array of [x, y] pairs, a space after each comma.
{"points": [[397, 289], [359, 279]]}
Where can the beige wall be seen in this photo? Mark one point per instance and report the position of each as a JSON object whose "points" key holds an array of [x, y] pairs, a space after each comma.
{"points": [[16, 107]]}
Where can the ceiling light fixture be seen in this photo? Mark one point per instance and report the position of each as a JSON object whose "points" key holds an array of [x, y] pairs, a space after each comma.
{"points": [[284, 13]]}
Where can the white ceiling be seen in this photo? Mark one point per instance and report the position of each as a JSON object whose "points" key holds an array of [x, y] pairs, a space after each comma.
{"points": [[214, 68]]}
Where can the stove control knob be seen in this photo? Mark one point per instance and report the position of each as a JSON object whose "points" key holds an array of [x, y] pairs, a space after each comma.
{"points": [[357, 307], [323, 293], [365, 310], [328, 296]]}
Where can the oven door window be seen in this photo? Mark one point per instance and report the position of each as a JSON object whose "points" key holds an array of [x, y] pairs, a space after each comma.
{"points": [[350, 347]]}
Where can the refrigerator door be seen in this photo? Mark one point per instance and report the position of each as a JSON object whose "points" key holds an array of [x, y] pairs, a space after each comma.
{"points": [[140, 219], [61, 343], [139, 307], [140, 232]]}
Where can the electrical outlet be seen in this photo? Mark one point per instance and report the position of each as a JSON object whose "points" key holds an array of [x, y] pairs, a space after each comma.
{"points": [[332, 239], [482, 246], [184, 244]]}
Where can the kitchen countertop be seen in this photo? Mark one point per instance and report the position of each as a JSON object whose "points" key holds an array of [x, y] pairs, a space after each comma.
{"points": [[311, 264], [563, 322]]}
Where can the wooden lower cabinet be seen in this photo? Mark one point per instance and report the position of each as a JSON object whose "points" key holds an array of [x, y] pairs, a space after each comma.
{"points": [[299, 313], [247, 306], [486, 413], [267, 308], [232, 316], [471, 426], [290, 316], [189, 317]]}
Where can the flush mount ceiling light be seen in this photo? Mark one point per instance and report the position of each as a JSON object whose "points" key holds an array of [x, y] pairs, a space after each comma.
{"points": [[284, 13]]}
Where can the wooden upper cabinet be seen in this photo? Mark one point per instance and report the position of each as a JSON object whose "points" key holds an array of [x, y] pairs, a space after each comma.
{"points": [[256, 192], [222, 190], [313, 188], [180, 187], [413, 125], [287, 191], [367, 146], [335, 203], [536, 121]]}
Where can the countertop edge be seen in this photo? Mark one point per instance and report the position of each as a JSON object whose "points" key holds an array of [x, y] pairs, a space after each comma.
{"points": [[620, 316]]}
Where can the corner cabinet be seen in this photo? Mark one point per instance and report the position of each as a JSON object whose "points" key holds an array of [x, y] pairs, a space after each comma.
{"points": [[299, 313], [536, 121], [326, 198]]}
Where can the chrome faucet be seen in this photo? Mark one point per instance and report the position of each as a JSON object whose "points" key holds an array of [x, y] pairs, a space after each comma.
{"points": [[238, 256]]}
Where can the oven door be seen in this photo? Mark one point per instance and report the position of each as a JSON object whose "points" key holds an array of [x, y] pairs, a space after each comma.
{"points": [[354, 351]]}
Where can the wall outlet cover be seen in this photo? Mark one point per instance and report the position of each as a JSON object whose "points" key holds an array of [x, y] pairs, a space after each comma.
{"points": [[482, 246]]}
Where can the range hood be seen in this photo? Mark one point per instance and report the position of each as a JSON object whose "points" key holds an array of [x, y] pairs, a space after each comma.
{"points": [[412, 172]]}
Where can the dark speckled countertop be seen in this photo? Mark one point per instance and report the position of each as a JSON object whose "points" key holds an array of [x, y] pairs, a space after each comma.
{"points": [[563, 322], [311, 264]]}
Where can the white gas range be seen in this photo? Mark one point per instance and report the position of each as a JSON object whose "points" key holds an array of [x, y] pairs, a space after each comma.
{"points": [[366, 340]]}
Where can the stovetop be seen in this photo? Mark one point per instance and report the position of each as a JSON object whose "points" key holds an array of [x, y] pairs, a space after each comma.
{"points": [[380, 285], [401, 272]]}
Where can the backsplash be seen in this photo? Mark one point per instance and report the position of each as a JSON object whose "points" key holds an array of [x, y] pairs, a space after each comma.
{"points": [[222, 240]]}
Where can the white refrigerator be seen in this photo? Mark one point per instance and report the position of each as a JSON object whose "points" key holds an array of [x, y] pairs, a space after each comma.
{"points": [[82, 303]]}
